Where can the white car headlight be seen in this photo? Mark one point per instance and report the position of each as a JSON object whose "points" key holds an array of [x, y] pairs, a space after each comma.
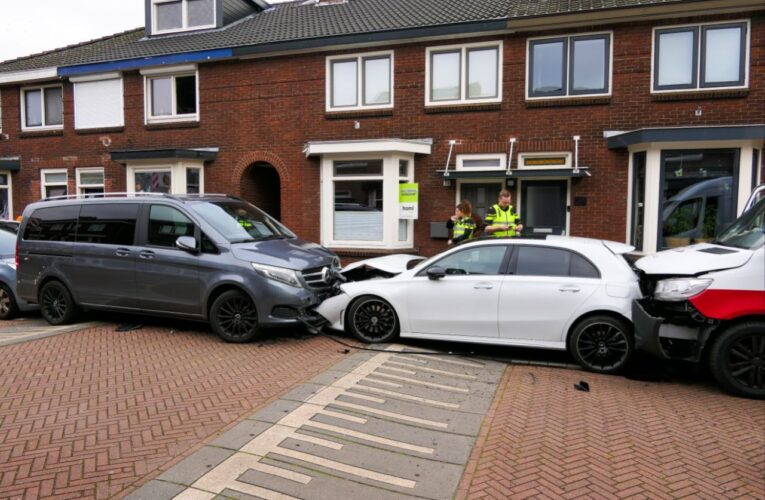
{"points": [[280, 274], [679, 289]]}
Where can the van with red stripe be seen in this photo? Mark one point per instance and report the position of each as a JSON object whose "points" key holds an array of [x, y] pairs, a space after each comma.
{"points": [[706, 302]]}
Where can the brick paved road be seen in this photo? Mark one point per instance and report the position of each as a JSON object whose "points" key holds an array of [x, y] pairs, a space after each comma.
{"points": [[88, 414], [624, 438]]}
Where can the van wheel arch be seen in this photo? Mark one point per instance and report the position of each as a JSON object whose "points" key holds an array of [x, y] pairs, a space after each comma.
{"points": [[220, 290]]}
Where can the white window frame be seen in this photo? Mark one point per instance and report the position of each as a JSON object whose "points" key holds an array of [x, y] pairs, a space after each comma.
{"points": [[23, 106], [699, 40], [177, 170], [78, 173], [172, 73], [9, 189], [359, 58], [569, 52], [184, 18], [523, 156], [463, 48], [44, 184], [495, 156], [390, 178]]}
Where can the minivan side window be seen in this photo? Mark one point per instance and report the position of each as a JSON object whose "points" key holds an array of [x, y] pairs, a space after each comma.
{"points": [[52, 224], [166, 224], [542, 261], [107, 224]]}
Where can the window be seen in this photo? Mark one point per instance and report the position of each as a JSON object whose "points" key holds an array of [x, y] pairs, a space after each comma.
{"points": [[171, 98], [485, 260], [107, 224], [700, 56], [192, 180], [54, 183], [98, 103], [360, 200], [166, 224], [90, 181], [360, 82], [544, 261], [42, 108], [53, 224], [179, 15], [153, 181], [464, 74], [173, 176], [5, 196], [569, 66], [481, 162]]}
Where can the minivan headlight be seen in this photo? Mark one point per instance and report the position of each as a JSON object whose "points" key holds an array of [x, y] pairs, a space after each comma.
{"points": [[679, 289], [280, 274]]}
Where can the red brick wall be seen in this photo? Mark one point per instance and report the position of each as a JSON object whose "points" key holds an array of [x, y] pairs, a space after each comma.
{"points": [[266, 109]]}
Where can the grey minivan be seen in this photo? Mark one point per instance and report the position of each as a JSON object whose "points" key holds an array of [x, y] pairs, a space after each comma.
{"points": [[215, 258]]}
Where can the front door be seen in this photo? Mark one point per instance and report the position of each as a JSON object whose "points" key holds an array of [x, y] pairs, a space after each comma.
{"points": [[480, 195], [543, 207]]}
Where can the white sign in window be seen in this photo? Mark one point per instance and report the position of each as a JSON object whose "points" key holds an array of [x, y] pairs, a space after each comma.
{"points": [[464, 74], [362, 81]]}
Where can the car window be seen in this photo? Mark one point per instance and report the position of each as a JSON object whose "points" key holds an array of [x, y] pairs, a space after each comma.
{"points": [[533, 260], [52, 224], [167, 224], [107, 223], [476, 260]]}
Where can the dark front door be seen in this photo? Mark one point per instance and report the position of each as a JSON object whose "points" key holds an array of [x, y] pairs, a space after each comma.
{"points": [[543, 207], [481, 196]]}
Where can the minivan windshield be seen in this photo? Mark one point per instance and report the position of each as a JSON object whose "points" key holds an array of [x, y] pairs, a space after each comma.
{"points": [[240, 222], [748, 231]]}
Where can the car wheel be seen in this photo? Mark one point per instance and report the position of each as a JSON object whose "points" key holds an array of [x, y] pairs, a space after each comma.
{"points": [[56, 304], [737, 360], [234, 318], [373, 320], [602, 344], [8, 306]]}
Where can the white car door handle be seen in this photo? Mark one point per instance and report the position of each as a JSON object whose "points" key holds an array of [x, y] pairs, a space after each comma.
{"points": [[569, 288], [483, 286]]}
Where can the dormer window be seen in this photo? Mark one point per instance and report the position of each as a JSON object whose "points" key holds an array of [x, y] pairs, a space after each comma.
{"points": [[171, 16]]}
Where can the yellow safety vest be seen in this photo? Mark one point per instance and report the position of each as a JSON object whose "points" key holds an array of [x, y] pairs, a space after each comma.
{"points": [[462, 225], [501, 217]]}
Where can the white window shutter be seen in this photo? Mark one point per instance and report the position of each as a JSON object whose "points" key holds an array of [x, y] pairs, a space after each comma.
{"points": [[98, 104]]}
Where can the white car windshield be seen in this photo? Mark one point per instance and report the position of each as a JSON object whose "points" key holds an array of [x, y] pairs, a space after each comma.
{"points": [[240, 222], [748, 231]]}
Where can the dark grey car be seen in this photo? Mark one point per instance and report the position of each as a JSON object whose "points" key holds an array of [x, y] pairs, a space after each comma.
{"points": [[211, 257], [10, 303]]}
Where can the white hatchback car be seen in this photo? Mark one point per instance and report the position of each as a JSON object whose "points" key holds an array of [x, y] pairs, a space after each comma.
{"points": [[558, 293]]}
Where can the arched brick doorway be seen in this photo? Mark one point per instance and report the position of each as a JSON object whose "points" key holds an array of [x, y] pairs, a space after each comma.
{"points": [[261, 186]]}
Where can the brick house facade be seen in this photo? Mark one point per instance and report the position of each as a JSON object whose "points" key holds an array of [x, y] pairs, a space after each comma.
{"points": [[266, 124]]}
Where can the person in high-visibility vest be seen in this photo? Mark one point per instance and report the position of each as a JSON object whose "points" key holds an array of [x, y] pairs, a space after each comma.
{"points": [[501, 219], [462, 224]]}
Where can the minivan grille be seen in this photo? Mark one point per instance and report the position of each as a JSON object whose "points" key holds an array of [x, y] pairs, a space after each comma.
{"points": [[314, 278]]}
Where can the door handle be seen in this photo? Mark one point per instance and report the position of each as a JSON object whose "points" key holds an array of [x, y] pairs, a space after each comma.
{"points": [[146, 254], [123, 252], [569, 288], [483, 286]]}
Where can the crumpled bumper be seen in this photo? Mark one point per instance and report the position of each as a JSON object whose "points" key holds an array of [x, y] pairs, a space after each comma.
{"points": [[333, 310], [656, 336], [647, 329]]}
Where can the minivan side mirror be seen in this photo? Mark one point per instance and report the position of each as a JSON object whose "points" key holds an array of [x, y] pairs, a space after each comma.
{"points": [[188, 243], [435, 273]]}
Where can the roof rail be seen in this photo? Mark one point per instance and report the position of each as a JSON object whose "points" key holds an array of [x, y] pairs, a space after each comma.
{"points": [[178, 197]]}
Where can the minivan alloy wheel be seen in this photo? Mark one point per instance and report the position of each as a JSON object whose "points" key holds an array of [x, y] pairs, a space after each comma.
{"points": [[234, 317], [56, 303]]}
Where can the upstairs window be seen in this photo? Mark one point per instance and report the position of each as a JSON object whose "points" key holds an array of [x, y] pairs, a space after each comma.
{"points": [[464, 74], [171, 16], [53, 183], [569, 66], [171, 97], [360, 81], [90, 181], [702, 56], [42, 108]]}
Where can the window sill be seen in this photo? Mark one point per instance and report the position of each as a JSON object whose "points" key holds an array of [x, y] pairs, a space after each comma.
{"points": [[461, 108], [370, 252], [41, 133], [101, 130], [171, 125], [695, 95], [358, 113], [568, 101]]}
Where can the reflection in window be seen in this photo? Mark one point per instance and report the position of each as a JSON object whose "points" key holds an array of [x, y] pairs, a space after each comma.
{"points": [[548, 71], [572, 65], [589, 59], [166, 225], [358, 211], [153, 181], [722, 60], [5, 210], [43, 107], [482, 73], [445, 76], [485, 260], [676, 58]]}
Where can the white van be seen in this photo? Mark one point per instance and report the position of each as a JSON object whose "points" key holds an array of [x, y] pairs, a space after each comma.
{"points": [[707, 301]]}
